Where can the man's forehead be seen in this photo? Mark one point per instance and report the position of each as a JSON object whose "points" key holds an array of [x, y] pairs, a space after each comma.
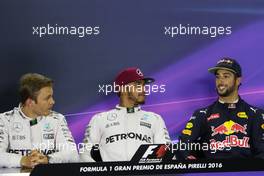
{"points": [[46, 91], [224, 71], [140, 81], [137, 81]]}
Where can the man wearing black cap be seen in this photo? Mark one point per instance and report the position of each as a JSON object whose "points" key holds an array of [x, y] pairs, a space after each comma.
{"points": [[120, 131], [231, 127]]}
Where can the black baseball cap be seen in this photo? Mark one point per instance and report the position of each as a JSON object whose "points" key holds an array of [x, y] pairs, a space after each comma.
{"points": [[227, 64]]}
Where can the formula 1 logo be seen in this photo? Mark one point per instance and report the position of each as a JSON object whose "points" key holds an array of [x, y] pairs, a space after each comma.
{"points": [[159, 153], [149, 151], [229, 127], [154, 154]]}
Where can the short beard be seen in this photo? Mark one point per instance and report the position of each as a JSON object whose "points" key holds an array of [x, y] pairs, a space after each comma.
{"points": [[137, 102], [227, 93], [140, 102]]}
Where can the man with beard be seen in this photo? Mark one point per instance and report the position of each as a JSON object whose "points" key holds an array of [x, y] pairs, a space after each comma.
{"points": [[118, 133], [32, 133], [230, 127]]}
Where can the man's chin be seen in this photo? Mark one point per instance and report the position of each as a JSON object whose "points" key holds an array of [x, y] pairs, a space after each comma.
{"points": [[141, 102], [223, 94], [47, 113]]}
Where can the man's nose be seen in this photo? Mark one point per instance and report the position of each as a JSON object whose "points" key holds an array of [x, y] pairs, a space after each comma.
{"points": [[52, 101], [220, 80]]}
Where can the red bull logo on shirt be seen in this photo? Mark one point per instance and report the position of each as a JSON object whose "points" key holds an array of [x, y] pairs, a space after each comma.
{"points": [[229, 142], [229, 127]]}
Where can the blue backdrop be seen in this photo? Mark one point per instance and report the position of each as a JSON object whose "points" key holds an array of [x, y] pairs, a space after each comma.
{"points": [[132, 33]]}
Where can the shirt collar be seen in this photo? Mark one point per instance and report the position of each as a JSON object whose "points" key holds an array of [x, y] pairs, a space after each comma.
{"points": [[128, 110], [24, 116], [232, 105], [222, 102]]}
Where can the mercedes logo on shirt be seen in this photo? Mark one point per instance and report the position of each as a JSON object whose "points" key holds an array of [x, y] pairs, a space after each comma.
{"points": [[17, 127], [112, 116]]}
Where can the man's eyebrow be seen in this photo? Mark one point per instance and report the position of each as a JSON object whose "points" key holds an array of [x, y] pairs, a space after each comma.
{"points": [[48, 96], [225, 73]]}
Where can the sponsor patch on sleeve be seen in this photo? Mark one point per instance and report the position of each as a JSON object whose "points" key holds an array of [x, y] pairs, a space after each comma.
{"points": [[187, 132]]}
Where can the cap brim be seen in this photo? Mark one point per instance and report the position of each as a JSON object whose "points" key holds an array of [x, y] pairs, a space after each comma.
{"points": [[148, 80], [214, 69]]}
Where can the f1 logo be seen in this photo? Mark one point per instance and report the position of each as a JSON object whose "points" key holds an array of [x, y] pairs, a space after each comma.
{"points": [[149, 151]]}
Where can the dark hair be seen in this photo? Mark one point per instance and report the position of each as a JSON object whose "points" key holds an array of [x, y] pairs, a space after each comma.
{"points": [[30, 84]]}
